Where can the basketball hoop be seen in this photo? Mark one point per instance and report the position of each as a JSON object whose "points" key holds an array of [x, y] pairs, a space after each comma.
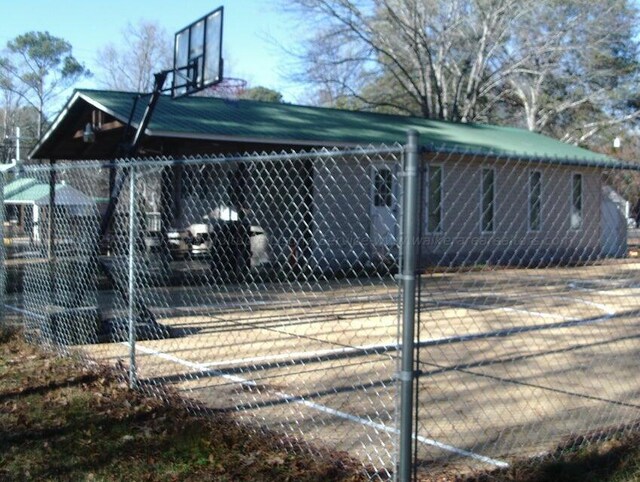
{"points": [[228, 88]]}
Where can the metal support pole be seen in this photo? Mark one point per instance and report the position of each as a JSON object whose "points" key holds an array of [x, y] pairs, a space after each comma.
{"points": [[410, 222], [51, 328], [160, 79], [52, 204], [18, 145], [3, 262], [133, 236]]}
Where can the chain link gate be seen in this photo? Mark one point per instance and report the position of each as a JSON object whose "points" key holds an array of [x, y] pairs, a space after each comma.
{"points": [[261, 285]]}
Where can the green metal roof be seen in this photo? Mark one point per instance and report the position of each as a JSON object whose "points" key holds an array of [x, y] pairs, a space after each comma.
{"points": [[251, 121], [18, 186], [29, 195], [35, 193]]}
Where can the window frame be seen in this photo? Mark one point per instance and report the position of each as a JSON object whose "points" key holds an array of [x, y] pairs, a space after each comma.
{"points": [[572, 206], [493, 199], [530, 227], [428, 192]]}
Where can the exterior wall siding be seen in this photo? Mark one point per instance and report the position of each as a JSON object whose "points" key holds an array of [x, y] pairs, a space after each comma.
{"points": [[317, 213], [462, 242], [341, 213]]}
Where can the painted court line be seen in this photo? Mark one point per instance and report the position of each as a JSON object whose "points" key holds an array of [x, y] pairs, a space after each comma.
{"points": [[575, 285], [325, 409], [364, 349], [538, 314], [277, 304], [383, 348], [25, 312], [475, 306], [607, 309]]}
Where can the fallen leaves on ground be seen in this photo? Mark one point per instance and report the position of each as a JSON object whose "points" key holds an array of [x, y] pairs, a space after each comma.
{"points": [[60, 420]]}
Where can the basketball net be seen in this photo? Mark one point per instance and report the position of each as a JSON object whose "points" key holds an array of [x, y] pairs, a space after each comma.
{"points": [[228, 88]]}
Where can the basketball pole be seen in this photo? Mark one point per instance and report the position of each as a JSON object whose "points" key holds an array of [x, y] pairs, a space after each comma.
{"points": [[131, 151], [160, 79]]}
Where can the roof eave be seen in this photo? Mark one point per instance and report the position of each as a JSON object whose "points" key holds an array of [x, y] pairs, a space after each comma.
{"points": [[611, 163], [50, 131]]}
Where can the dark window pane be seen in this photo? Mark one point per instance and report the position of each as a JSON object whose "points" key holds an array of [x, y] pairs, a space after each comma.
{"points": [[383, 186], [434, 204], [535, 200], [488, 197], [576, 201]]}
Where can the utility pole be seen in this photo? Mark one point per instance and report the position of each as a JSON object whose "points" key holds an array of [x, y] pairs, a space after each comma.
{"points": [[17, 139], [17, 143]]}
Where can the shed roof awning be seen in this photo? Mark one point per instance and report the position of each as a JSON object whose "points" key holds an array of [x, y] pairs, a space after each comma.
{"points": [[243, 121], [37, 194], [65, 196], [17, 186]]}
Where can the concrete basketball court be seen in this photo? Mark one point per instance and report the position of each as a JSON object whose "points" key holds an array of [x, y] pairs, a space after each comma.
{"points": [[512, 361]]}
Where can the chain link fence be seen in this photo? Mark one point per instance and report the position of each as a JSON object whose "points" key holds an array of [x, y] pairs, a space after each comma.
{"points": [[261, 286], [268, 287], [528, 326]]}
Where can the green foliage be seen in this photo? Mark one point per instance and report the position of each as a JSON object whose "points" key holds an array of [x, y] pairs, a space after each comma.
{"points": [[262, 94], [37, 67]]}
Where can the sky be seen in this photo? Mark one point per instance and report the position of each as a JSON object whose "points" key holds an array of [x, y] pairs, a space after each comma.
{"points": [[255, 31]]}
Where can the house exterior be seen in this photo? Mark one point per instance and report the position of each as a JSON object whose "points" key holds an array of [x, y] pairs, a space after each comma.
{"points": [[490, 194]]}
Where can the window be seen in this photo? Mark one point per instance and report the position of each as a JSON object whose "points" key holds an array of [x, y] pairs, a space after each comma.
{"points": [[535, 200], [383, 187], [434, 199], [488, 200], [576, 201]]}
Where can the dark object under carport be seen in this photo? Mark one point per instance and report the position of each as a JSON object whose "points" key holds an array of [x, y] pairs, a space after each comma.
{"points": [[230, 250]]}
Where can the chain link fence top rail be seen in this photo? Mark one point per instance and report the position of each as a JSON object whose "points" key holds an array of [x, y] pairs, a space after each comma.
{"points": [[261, 286], [264, 286]]}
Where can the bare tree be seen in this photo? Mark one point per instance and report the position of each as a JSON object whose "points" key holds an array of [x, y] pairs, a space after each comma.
{"points": [[146, 48], [540, 62], [424, 57], [577, 68], [13, 114]]}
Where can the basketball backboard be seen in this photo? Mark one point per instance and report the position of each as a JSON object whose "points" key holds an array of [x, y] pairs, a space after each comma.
{"points": [[197, 61]]}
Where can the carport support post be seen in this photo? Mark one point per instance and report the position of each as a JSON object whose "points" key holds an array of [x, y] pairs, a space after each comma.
{"points": [[132, 315], [410, 221]]}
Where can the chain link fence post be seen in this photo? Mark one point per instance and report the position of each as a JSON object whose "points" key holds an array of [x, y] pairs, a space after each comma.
{"points": [[3, 257], [409, 237], [50, 323], [132, 314]]}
